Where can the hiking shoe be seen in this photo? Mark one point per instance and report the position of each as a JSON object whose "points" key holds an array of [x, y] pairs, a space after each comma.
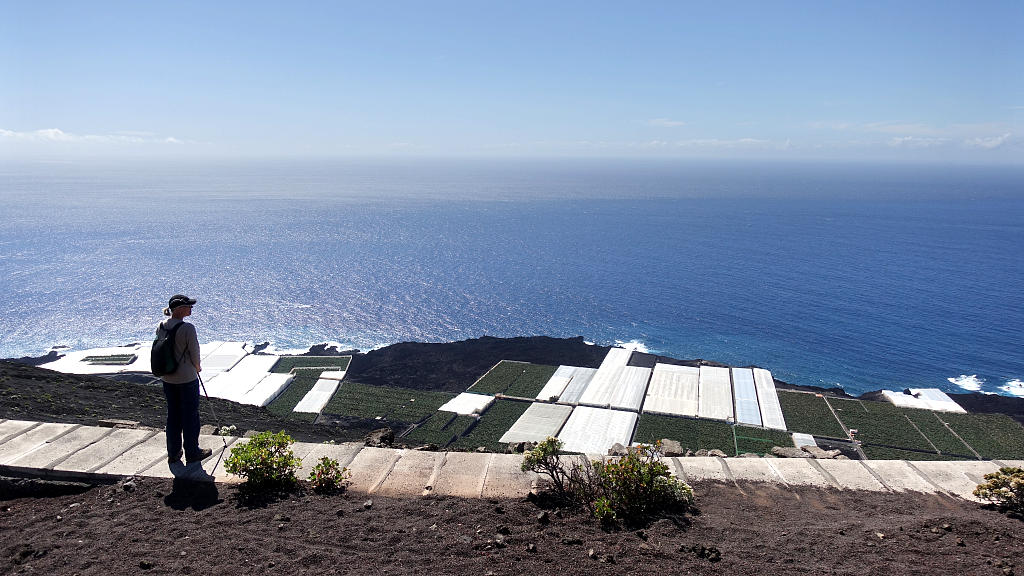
{"points": [[203, 454], [172, 458]]}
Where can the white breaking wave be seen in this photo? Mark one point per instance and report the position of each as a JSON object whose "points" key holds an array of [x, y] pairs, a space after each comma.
{"points": [[970, 383], [1014, 387], [634, 345]]}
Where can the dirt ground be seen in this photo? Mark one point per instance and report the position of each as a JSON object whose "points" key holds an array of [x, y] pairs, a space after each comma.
{"points": [[162, 527], [158, 527]]}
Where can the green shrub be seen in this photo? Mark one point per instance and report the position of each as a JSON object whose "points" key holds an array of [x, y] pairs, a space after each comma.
{"points": [[266, 461], [639, 486], [1005, 487], [328, 477], [632, 489]]}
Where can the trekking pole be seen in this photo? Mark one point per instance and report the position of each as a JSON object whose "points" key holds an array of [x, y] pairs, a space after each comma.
{"points": [[220, 425]]}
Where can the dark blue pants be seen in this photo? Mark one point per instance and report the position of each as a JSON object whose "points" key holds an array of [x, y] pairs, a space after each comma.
{"points": [[182, 418]]}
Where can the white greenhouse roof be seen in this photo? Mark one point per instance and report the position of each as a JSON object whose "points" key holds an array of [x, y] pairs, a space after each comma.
{"points": [[74, 362], [267, 390], [595, 430], [581, 378], [800, 440], [468, 403], [537, 423], [768, 399], [243, 377], [616, 357], [557, 383], [619, 387], [745, 394], [315, 400], [673, 390], [223, 357], [925, 399], [338, 375], [937, 399], [714, 399]]}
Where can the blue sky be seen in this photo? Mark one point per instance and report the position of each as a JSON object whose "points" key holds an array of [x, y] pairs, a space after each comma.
{"points": [[890, 81]]}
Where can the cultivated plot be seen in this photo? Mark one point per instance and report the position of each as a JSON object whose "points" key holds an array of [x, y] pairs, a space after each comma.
{"points": [[693, 434], [745, 395], [594, 430], [385, 402], [315, 400], [555, 385], [673, 390], [441, 429], [621, 387], [768, 400], [581, 378], [714, 397], [492, 425], [287, 363], [538, 423], [808, 413], [467, 403]]}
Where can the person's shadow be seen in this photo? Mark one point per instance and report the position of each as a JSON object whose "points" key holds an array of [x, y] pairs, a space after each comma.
{"points": [[193, 488]]}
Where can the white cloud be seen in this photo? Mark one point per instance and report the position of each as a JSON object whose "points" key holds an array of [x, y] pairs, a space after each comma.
{"points": [[902, 128], [916, 142], [989, 143], [56, 135], [666, 123]]}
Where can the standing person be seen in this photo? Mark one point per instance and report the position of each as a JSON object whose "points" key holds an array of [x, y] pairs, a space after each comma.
{"points": [[182, 386]]}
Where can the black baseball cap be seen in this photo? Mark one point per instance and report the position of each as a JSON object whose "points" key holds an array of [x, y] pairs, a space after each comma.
{"points": [[179, 300]]}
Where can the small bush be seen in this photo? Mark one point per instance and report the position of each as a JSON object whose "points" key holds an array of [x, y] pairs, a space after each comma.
{"points": [[639, 485], [633, 488], [266, 461], [328, 477], [1005, 487]]}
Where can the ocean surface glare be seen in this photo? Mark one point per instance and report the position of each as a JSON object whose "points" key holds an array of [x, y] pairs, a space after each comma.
{"points": [[860, 276]]}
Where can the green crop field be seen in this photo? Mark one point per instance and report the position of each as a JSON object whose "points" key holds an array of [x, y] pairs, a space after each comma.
{"points": [[760, 440], [531, 381], [286, 363], [111, 360], [809, 414], [690, 433], [888, 453], [928, 422], [440, 429], [499, 378], [992, 435], [394, 404], [880, 423], [493, 424], [303, 382]]}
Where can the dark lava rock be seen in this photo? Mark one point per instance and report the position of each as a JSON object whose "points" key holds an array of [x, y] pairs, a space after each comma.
{"points": [[380, 438], [454, 366]]}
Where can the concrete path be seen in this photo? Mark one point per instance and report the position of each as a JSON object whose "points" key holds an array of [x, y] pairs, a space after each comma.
{"points": [[71, 451]]}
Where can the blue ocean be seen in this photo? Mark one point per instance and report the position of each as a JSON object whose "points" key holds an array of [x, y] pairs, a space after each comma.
{"points": [[853, 275]]}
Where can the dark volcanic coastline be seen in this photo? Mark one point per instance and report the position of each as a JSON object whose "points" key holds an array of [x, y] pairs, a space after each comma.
{"points": [[447, 366]]}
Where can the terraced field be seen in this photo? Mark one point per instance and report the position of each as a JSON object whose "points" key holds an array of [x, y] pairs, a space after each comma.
{"points": [[392, 404], [440, 429], [809, 414], [530, 381], [991, 435], [874, 452], [931, 424], [303, 382], [492, 425], [498, 378], [760, 440], [880, 423], [286, 363], [691, 433]]}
